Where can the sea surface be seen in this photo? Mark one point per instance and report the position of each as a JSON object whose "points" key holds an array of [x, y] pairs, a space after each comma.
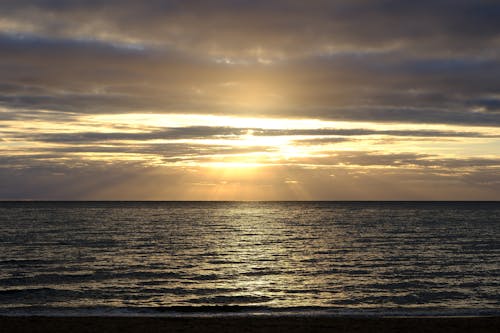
{"points": [[168, 258]]}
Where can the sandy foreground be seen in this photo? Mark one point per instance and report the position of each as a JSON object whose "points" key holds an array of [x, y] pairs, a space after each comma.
{"points": [[273, 324]]}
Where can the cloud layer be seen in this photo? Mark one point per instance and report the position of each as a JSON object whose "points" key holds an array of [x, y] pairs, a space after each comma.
{"points": [[412, 86]]}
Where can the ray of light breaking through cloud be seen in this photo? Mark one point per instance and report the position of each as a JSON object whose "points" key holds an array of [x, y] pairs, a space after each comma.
{"points": [[239, 100]]}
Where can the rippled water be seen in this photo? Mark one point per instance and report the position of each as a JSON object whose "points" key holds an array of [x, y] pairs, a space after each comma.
{"points": [[312, 255]]}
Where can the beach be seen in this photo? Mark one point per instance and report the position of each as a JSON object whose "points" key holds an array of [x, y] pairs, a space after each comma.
{"points": [[248, 324]]}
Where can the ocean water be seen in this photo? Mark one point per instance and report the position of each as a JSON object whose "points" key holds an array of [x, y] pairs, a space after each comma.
{"points": [[258, 257]]}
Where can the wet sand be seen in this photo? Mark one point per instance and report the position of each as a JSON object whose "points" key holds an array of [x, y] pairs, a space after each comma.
{"points": [[272, 324]]}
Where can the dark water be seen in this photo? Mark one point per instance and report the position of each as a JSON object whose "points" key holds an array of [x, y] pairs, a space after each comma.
{"points": [[136, 257]]}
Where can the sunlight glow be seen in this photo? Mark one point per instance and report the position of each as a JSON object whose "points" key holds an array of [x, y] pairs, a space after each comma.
{"points": [[141, 120]]}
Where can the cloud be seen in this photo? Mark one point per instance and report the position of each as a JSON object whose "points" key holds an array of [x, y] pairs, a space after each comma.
{"points": [[89, 77], [411, 115], [364, 132], [383, 159], [277, 27], [174, 133], [216, 132], [132, 180], [410, 64]]}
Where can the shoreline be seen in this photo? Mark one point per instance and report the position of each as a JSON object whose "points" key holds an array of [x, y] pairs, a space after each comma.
{"points": [[271, 323], [228, 311]]}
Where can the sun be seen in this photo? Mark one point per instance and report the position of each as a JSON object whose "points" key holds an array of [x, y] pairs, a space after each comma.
{"points": [[254, 150]]}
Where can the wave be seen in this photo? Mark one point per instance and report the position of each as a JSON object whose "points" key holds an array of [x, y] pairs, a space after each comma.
{"points": [[37, 295], [345, 256], [239, 310], [54, 278]]}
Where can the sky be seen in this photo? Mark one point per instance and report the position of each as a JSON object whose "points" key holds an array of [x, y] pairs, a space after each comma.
{"points": [[249, 100]]}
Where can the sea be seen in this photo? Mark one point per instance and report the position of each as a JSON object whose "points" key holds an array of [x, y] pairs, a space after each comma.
{"points": [[258, 258]]}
